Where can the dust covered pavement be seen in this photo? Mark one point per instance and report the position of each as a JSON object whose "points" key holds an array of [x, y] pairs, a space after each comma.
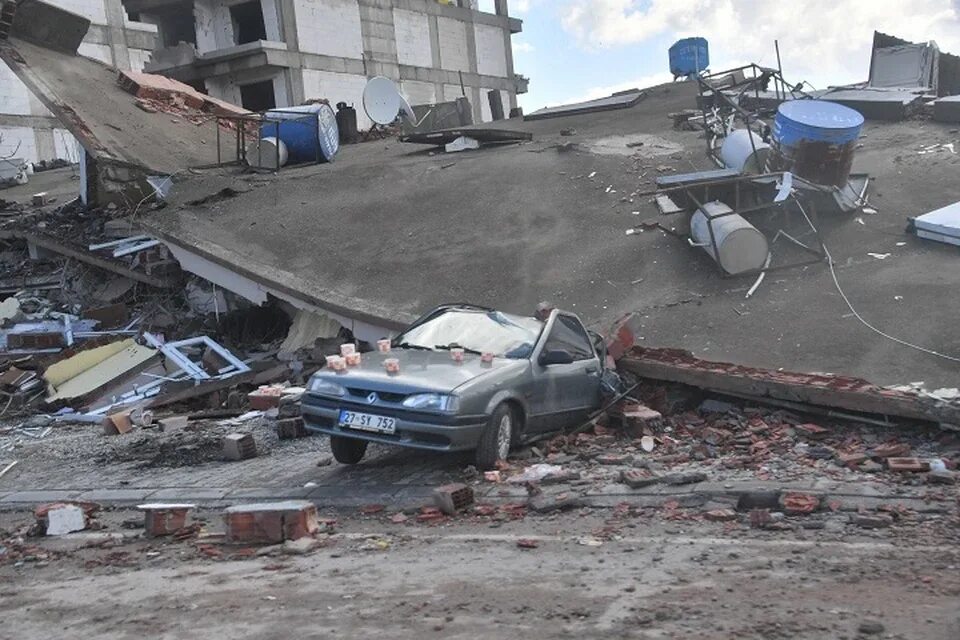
{"points": [[589, 573]]}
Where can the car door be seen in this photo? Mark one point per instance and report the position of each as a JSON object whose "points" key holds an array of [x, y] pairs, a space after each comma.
{"points": [[566, 393]]}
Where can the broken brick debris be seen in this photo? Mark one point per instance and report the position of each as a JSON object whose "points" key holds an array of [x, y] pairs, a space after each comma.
{"points": [[851, 394], [58, 518], [239, 446], [453, 498], [270, 523]]}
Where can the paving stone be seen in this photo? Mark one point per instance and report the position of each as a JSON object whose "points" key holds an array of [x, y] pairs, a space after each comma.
{"points": [[877, 521], [40, 496], [115, 495], [691, 477], [188, 494]]}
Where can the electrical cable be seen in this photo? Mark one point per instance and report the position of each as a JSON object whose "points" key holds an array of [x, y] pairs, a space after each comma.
{"points": [[856, 314]]}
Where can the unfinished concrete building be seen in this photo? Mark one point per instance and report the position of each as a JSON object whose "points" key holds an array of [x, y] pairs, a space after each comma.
{"points": [[272, 53]]}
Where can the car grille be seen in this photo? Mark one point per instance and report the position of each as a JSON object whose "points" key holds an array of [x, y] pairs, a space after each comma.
{"points": [[383, 395]]}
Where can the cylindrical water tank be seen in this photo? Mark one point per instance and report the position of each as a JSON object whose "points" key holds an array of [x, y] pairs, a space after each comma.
{"points": [[738, 153], [308, 131], [739, 246], [265, 152], [689, 56], [815, 139]]}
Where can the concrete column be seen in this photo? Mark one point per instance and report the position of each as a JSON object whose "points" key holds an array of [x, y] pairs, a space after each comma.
{"points": [[117, 34], [288, 31], [45, 145], [435, 53], [500, 7], [471, 45], [508, 51]]}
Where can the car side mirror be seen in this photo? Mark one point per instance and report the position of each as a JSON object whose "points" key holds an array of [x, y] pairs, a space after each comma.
{"points": [[555, 356]]}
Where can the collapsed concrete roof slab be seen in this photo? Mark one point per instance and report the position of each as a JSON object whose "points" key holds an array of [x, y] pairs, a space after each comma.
{"points": [[85, 96], [389, 230]]}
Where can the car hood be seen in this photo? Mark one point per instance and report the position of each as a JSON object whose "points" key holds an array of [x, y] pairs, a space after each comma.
{"points": [[419, 371]]}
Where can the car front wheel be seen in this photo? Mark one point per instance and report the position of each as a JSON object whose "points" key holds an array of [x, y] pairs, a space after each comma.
{"points": [[495, 440], [348, 450]]}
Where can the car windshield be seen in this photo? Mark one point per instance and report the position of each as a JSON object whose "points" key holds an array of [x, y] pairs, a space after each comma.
{"points": [[476, 330]]}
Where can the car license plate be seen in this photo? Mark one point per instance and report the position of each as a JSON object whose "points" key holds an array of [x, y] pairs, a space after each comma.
{"points": [[367, 422]]}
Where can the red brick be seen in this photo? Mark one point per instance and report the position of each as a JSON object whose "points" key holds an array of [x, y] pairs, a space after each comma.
{"points": [[720, 515], [851, 459], [795, 502], [811, 430], [890, 450], [270, 523], [452, 498], [907, 465], [164, 520]]}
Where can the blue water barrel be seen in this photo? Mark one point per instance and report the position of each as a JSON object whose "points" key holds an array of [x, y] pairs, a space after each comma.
{"points": [[689, 56], [815, 139], [302, 133]]}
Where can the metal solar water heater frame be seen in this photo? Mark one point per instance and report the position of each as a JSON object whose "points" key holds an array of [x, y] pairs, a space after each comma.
{"points": [[791, 204], [728, 109]]}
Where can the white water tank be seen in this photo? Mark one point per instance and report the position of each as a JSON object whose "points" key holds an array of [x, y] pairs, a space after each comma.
{"points": [[740, 246], [737, 152], [263, 153]]}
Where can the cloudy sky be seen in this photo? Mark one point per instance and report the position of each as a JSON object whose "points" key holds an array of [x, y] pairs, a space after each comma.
{"points": [[580, 49]]}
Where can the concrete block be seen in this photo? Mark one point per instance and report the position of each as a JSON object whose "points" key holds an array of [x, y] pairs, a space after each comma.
{"points": [[452, 498], [291, 428], [173, 423], [239, 446]]}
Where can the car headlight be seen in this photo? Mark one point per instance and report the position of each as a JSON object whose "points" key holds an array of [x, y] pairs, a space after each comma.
{"points": [[433, 402], [326, 387]]}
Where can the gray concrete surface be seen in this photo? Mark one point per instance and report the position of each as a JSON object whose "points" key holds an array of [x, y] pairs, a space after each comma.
{"points": [[390, 229], [62, 184], [636, 574]]}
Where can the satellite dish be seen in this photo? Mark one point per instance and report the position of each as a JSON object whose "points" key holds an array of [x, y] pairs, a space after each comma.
{"points": [[382, 101]]}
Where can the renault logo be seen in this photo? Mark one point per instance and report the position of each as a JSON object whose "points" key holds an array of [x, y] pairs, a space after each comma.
{"points": [[372, 398]]}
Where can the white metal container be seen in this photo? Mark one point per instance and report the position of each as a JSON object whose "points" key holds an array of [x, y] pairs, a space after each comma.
{"points": [[263, 153], [737, 152], [740, 247]]}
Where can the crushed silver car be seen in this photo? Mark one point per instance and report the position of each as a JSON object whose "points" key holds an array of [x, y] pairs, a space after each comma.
{"points": [[462, 377]]}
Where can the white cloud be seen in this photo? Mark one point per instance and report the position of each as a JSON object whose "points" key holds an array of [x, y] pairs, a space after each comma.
{"points": [[519, 46], [642, 82], [820, 40]]}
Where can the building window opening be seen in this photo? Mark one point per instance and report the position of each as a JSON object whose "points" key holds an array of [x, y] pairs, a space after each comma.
{"points": [[258, 96], [248, 25]]}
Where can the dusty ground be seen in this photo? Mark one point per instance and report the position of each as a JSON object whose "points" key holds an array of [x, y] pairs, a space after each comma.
{"points": [[648, 578]]}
